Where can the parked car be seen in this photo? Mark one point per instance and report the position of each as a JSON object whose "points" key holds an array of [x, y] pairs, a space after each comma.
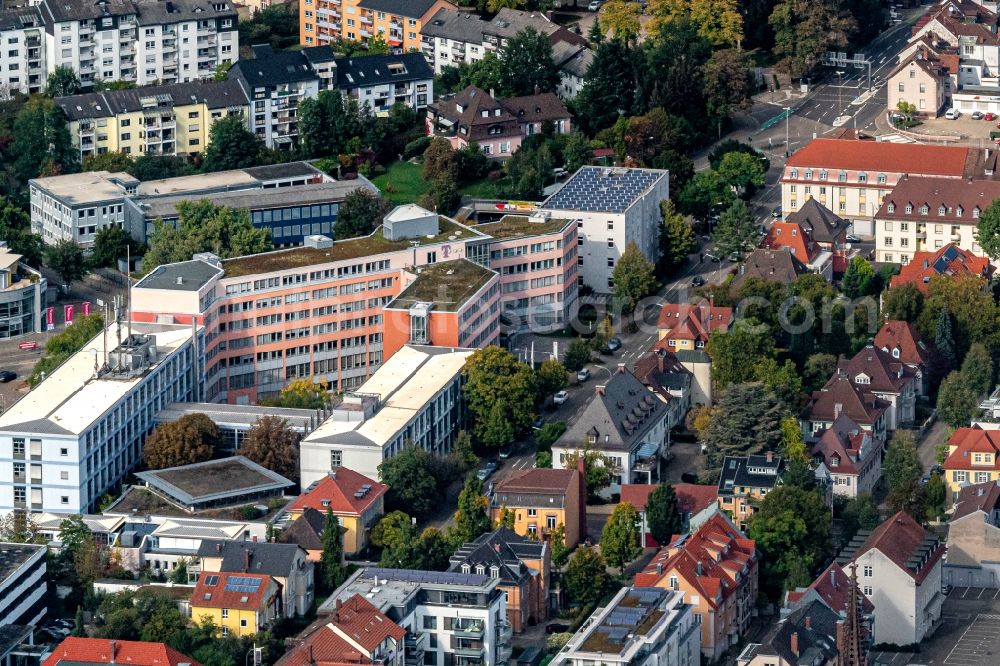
{"points": [[560, 397], [937, 469], [614, 344], [486, 471], [505, 453], [989, 116], [851, 238], [537, 423], [976, 115], [556, 628], [594, 6], [583, 375], [776, 211], [697, 281], [7, 376], [952, 114]]}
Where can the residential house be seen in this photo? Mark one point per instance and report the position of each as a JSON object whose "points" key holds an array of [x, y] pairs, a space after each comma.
{"points": [[686, 326], [832, 588], [745, 481], [696, 504], [921, 80], [541, 500], [497, 126], [878, 373], [523, 565], [640, 625], [238, 604], [852, 176], [286, 563], [23, 296], [354, 632], [772, 265], [306, 531], [949, 262], [899, 570], [849, 457], [79, 650], [357, 502], [23, 582], [827, 231], [973, 537], [613, 207], [716, 569], [626, 424], [973, 458], [841, 396], [901, 340], [811, 635], [399, 23], [699, 364], [379, 82], [667, 378], [921, 216]]}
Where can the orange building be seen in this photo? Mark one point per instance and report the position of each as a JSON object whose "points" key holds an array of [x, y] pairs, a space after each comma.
{"points": [[399, 22], [541, 500], [353, 498]]}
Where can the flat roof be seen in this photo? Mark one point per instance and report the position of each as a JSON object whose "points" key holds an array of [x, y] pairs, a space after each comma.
{"points": [[240, 415], [182, 276], [516, 226], [604, 189], [197, 182], [86, 187], [404, 383], [13, 556], [448, 285], [214, 480], [395, 586], [70, 399], [352, 248]]}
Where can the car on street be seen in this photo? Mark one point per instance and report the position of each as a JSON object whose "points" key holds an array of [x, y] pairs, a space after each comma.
{"points": [[560, 397], [952, 114], [537, 423], [7, 376], [851, 238], [614, 344], [937, 469], [505, 453], [989, 116], [486, 471], [556, 628], [776, 211], [697, 281], [594, 6], [583, 375], [925, 479], [976, 115]]}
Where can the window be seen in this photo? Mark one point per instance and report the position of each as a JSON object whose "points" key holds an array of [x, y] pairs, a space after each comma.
{"points": [[611, 225], [867, 571], [225, 613], [881, 179], [611, 242], [336, 459], [960, 476], [982, 477], [862, 177], [809, 174], [673, 582], [550, 522], [64, 499], [225, 631], [64, 452], [243, 622], [902, 86], [64, 476], [909, 209], [532, 513], [867, 590], [430, 622]]}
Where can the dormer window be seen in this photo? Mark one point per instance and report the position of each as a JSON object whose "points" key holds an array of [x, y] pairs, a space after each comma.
{"points": [[486, 114], [466, 569], [862, 177], [924, 209], [891, 208], [862, 379], [794, 173], [835, 461], [881, 179], [958, 212], [909, 209], [941, 210], [842, 177], [823, 175], [975, 213], [480, 570], [496, 112], [895, 352], [809, 174]]}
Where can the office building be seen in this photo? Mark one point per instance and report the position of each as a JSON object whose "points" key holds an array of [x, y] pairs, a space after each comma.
{"points": [[80, 431], [223, 482], [613, 207], [23, 584], [23, 296]]}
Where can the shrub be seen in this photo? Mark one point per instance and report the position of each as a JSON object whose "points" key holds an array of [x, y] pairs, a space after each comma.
{"points": [[416, 147]]}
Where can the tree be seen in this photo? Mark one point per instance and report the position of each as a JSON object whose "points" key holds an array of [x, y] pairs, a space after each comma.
{"points": [[634, 278], [395, 534], [360, 213], [377, 45], [859, 279], [433, 551], [944, 339], [782, 380], [15, 228], [729, 86], [445, 195], [977, 370], [156, 167], [736, 231], [63, 345], [62, 82], [804, 30], [484, 74], [271, 443], [586, 576], [620, 536], [302, 394], [718, 23], [73, 534], [791, 528], [462, 457], [989, 230], [577, 151], [410, 477], [42, 144], [471, 163], [331, 560], [743, 171], [526, 63], [908, 110], [79, 625], [190, 439], [620, 18], [596, 472], [936, 496], [793, 446], [736, 353], [903, 302], [507, 518], [577, 355], [110, 244], [973, 313], [957, 403], [677, 238], [596, 33], [610, 89], [547, 435], [328, 123], [498, 385], [817, 371], [439, 160], [66, 258], [20, 527], [747, 421], [663, 515], [560, 551], [860, 513], [473, 516], [164, 625], [705, 192], [550, 377], [231, 145], [110, 161], [902, 466]]}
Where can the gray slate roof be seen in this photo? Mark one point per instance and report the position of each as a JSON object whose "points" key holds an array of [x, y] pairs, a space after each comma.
{"points": [[619, 418], [375, 70], [817, 643], [457, 26], [215, 94], [16, 18], [58, 11], [156, 12], [271, 559], [194, 275], [269, 68], [821, 222], [743, 472], [501, 548]]}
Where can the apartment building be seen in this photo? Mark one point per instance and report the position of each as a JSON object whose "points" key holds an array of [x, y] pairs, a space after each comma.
{"points": [[640, 626], [973, 458], [170, 119], [23, 292], [449, 617], [23, 583], [542, 500], [93, 651], [853, 176], [80, 431], [924, 214], [716, 570], [851, 458], [380, 81], [682, 326], [22, 57], [398, 22], [414, 397], [613, 208], [922, 81], [745, 481]]}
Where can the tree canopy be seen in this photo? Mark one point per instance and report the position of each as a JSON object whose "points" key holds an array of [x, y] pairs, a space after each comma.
{"points": [[360, 213], [231, 145], [747, 421], [410, 477], [662, 514], [500, 390], [620, 536], [190, 439], [272, 443]]}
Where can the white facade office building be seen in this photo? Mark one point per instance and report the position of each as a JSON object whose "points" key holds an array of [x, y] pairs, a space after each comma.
{"points": [[23, 584], [81, 430]]}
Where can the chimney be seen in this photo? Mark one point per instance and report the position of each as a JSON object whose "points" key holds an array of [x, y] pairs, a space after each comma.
{"points": [[496, 547], [833, 577], [254, 538], [660, 361], [697, 569], [659, 568], [538, 91], [794, 644], [218, 548], [114, 650], [621, 368], [769, 456], [600, 389], [311, 660], [809, 622], [246, 560]]}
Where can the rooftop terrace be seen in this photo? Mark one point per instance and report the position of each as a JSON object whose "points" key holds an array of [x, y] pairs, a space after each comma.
{"points": [[449, 285], [516, 226]]}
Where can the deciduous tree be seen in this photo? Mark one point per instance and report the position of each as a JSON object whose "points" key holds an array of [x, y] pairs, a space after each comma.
{"points": [[621, 18], [977, 370], [989, 230], [804, 30], [301, 393], [526, 63], [273, 444], [957, 403], [66, 258], [328, 123], [742, 171], [620, 536], [15, 228], [634, 277], [189, 439], [662, 514], [231, 145], [359, 214], [577, 354], [410, 477], [596, 471], [62, 82], [903, 302], [473, 516], [586, 577], [439, 160], [677, 238], [550, 377], [817, 370], [42, 144], [110, 244], [706, 192], [736, 231], [205, 227], [497, 381], [63, 345], [736, 353]]}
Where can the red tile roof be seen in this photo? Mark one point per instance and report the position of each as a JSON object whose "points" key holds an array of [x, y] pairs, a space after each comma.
{"points": [[977, 497], [725, 556], [541, 480], [959, 197], [949, 261], [973, 440], [691, 497], [365, 624], [224, 590], [832, 586], [885, 374], [790, 235], [104, 651], [844, 443], [693, 322], [879, 157], [898, 538], [902, 336], [841, 396], [337, 490]]}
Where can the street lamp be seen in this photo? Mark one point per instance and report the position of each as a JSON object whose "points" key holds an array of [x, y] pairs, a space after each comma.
{"points": [[788, 112]]}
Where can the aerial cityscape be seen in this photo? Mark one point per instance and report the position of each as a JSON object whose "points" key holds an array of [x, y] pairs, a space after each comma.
{"points": [[499, 333]]}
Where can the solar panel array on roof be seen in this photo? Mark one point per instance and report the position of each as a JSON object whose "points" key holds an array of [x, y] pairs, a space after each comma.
{"points": [[596, 189], [242, 584]]}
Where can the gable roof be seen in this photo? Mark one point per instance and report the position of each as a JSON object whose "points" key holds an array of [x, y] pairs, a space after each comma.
{"points": [[104, 651], [977, 497], [407, 8], [846, 444], [903, 541], [270, 68], [949, 261], [535, 108], [373, 70], [232, 590], [885, 374], [682, 321], [901, 340], [879, 157], [791, 236], [967, 441], [958, 196], [841, 396], [214, 94], [503, 549], [272, 559], [364, 624], [343, 491], [661, 372], [833, 588], [772, 265], [538, 480], [819, 222], [307, 530], [692, 498]]}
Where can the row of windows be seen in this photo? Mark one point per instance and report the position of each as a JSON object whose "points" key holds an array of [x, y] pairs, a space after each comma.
{"points": [[841, 177]]}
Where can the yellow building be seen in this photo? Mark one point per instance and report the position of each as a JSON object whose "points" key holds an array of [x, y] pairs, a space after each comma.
{"points": [[541, 500], [356, 501], [398, 21], [744, 482], [687, 326], [239, 604], [155, 120], [973, 457]]}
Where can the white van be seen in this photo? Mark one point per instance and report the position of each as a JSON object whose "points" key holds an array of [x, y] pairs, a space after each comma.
{"points": [[952, 114]]}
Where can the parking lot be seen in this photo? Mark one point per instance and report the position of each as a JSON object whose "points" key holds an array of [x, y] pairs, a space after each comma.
{"points": [[968, 635]]}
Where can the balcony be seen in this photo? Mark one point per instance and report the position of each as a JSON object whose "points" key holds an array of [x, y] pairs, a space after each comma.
{"points": [[503, 654], [505, 633], [415, 646], [20, 504], [20, 478], [955, 238], [474, 652], [86, 29], [470, 630]]}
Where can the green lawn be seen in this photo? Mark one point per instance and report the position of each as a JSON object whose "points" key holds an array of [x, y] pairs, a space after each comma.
{"points": [[403, 183]]}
